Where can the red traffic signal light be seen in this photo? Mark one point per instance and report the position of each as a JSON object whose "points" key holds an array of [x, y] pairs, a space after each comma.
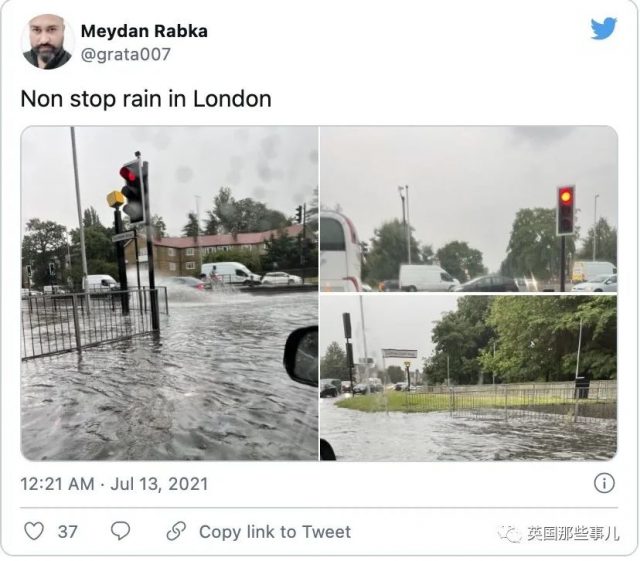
{"points": [[128, 174], [565, 212]]}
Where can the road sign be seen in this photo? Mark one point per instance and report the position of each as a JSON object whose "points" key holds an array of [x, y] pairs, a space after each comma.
{"points": [[399, 353], [128, 235]]}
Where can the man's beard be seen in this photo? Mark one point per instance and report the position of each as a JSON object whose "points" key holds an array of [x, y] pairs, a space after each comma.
{"points": [[49, 54]]}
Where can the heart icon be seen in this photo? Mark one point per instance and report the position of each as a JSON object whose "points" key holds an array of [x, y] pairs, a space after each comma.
{"points": [[34, 529]]}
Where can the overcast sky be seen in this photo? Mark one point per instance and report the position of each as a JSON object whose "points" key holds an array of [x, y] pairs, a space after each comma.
{"points": [[276, 166], [465, 183], [393, 320]]}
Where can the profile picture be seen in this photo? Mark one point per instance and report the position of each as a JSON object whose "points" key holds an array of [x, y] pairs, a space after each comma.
{"points": [[45, 41]]}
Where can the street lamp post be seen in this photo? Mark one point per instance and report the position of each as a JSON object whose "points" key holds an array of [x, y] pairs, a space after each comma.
{"points": [[405, 218], [595, 225]]}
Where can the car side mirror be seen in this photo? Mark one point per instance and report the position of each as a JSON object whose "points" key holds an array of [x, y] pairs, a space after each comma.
{"points": [[301, 356]]}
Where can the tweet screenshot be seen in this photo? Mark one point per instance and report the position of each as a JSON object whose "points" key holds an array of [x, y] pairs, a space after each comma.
{"points": [[319, 278]]}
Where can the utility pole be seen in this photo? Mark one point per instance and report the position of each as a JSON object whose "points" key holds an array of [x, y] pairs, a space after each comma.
{"points": [[83, 253], [595, 225], [406, 188], [198, 232]]}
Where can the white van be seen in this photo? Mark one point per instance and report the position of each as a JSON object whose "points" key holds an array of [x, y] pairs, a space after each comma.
{"points": [[584, 271], [432, 278], [93, 283], [340, 254], [230, 272]]}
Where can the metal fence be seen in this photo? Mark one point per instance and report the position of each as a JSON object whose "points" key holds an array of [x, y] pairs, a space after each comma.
{"points": [[507, 401], [61, 323]]}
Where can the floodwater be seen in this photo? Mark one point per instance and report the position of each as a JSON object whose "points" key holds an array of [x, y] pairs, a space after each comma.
{"points": [[437, 436], [211, 386]]}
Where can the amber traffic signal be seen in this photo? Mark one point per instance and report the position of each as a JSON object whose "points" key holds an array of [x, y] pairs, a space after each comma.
{"points": [[565, 214]]}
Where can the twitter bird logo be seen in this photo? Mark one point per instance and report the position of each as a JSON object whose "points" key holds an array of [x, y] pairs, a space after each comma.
{"points": [[604, 29]]}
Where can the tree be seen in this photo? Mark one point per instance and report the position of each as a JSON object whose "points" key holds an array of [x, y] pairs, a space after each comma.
{"points": [[246, 215], [159, 226], [606, 243], [395, 374], [388, 249], [534, 248], [44, 242], [537, 338], [461, 335], [192, 228], [212, 224], [334, 363], [99, 249], [281, 252], [426, 254], [90, 217], [461, 261]]}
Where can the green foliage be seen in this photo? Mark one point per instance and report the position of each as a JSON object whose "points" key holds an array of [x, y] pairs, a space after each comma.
{"points": [[395, 374], [534, 248], [460, 335], [388, 249], [233, 216], [283, 252], [461, 261], [44, 242], [537, 338], [334, 363], [606, 243], [192, 228], [524, 339], [250, 259]]}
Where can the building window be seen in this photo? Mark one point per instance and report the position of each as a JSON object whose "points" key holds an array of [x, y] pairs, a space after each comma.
{"points": [[190, 265], [190, 251], [142, 251], [171, 252], [172, 267]]}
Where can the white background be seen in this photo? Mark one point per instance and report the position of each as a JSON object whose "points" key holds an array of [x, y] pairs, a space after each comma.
{"points": [[338, 63]]}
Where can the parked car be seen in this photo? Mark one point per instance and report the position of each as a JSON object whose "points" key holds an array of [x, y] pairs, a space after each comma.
{"points": [[50, 289], [391, 285], [432, 278], [489, 283], [187, 282], [584, 271], [280, 278], [327, 389], [340, 254], [360, 389], [602, 283]]}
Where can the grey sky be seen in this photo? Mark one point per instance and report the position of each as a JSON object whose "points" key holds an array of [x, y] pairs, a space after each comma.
{"points": [[466, 183], [274, 165], [397, 320]]}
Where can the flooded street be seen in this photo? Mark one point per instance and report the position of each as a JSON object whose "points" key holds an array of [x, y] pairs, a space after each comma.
{"points": [[362, 436], [211, 386]]}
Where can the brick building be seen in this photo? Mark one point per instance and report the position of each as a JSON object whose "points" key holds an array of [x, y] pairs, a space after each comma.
{"points": [[180, 257]]}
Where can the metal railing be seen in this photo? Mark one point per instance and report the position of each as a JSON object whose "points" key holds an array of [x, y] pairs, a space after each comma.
{"points": [[508, 401], [59, 323]]}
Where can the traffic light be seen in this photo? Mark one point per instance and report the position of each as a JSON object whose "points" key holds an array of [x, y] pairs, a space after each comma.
{"points": [[29, 271], [133, 190], [52, 270], [566, 211], [299, 214]]}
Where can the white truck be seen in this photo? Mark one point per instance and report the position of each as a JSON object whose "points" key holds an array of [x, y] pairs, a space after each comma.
{"points": [[584, 271], [230, 272], [426, 278]]}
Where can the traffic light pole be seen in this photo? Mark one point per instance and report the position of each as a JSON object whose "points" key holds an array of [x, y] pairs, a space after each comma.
{"points": [[562, 261], [155, 317], [122, 268]]}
